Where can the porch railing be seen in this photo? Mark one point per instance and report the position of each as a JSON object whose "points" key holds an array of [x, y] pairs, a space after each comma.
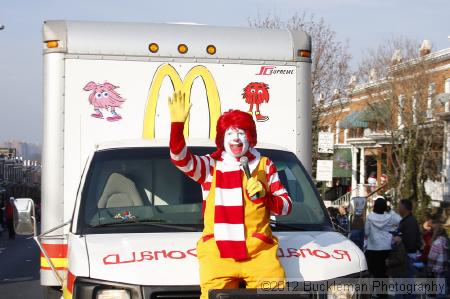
{"points": [[344, 200]]}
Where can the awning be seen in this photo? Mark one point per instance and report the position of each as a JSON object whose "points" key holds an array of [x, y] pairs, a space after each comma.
{"points": [[342, 163], [354, 120], [376, 112]]}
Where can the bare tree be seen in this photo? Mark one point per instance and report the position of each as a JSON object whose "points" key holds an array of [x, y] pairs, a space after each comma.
{"points": [[330, 71], [380, 58], [400, 91]]}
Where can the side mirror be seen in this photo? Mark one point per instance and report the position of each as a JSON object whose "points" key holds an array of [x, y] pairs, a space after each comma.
{"points": [[24, 217]]}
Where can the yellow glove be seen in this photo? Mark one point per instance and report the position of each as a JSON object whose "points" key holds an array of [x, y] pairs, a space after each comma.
{"points": [[254, 186], [177, 106]]}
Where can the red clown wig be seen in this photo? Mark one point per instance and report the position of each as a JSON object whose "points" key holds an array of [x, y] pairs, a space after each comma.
{"points": [[234, 119]]}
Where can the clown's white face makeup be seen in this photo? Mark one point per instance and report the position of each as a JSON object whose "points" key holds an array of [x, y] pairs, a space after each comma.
{"points": [[235, 142]]}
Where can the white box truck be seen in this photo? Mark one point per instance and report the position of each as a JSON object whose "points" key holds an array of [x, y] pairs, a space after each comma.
{"points": [[118, 219]]}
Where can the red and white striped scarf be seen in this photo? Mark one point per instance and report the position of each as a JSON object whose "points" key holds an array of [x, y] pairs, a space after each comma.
{"points": [[229, 231]]}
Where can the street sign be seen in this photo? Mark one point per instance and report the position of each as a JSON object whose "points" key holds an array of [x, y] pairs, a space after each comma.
{"points": [[324, 170], [326, 143]]}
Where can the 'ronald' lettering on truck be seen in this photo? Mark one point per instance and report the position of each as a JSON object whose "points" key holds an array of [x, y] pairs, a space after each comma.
{"points": [[118, 219]]}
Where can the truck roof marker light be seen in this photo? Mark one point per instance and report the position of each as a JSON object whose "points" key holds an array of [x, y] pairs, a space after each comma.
{"points": [[304, 53], [182, 48], [153, 47], [52, 44], [211, 49]]}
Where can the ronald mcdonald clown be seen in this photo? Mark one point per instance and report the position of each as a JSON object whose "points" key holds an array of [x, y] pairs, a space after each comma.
{"points": [[237, 243]]}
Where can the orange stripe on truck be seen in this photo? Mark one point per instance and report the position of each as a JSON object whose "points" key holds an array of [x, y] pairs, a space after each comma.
{"points": [[70, 281], [55, 250]]}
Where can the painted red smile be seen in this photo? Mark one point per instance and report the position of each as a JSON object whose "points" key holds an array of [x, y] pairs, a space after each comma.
{"points": [[236, 149]]}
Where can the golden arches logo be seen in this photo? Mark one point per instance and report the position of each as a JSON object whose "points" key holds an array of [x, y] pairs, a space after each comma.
{"points": [[185, 86]]}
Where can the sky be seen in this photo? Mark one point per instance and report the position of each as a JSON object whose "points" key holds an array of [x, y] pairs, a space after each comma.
{"points": [[364, 24]]}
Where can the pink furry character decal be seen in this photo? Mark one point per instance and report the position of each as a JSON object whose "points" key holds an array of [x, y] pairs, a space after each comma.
{"points": [[256, 93], [103, 96]]}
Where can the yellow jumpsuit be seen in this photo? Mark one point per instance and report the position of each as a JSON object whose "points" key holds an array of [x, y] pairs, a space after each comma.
{"points": [[263, 263]]}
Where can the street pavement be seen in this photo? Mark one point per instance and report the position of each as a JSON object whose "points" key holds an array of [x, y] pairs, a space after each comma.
{"points": [[19, 268]]}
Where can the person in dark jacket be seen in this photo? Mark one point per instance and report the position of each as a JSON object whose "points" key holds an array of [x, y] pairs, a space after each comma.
{"points": [[411, 235], [409, 227], [9, 209], [396, 261]]}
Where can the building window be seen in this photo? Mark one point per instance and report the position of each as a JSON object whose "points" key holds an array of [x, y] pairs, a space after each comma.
{"points": [[431, 90], [376, 127], [447, 90], [356, 133], [401, 100], [414, 107]]}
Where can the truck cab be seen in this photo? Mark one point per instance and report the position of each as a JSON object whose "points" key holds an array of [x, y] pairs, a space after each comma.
{"points": [[137, 214]]}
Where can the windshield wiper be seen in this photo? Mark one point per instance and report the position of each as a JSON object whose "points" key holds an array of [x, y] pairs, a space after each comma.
{"points": [[277, 224], [149, 222]]}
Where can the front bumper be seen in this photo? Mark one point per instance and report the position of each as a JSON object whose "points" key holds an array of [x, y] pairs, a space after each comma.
{"points": [[87, 288]]}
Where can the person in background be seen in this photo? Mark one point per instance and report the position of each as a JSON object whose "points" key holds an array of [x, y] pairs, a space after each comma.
{"points": [[378, 237], [372, 181], [2, 212], [333, 212], [411, 235], [383, 183], [437, 265], [358, 205], [389, 205], [9, 209], [390, 211], [339, 189], [409, 227], [342, 220], [427, 235], [396, 266]]}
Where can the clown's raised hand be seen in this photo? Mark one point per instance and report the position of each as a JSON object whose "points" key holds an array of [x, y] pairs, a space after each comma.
{"points": [[177, 106]]}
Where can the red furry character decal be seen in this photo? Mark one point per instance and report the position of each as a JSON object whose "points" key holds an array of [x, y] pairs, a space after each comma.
{"points": [[256, 93]]}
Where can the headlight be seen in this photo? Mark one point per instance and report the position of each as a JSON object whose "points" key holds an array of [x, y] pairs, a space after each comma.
{"points": [[341, 291], [113, 294]]}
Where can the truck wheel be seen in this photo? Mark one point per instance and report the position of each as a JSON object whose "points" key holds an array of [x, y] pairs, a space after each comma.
{"points": [[52, 292]]}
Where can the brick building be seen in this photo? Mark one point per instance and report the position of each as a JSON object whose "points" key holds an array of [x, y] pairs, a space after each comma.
{"points": [[374, 116]]}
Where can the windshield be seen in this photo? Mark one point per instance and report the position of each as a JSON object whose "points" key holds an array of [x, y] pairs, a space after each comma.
{"points": [[139, 190]]}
